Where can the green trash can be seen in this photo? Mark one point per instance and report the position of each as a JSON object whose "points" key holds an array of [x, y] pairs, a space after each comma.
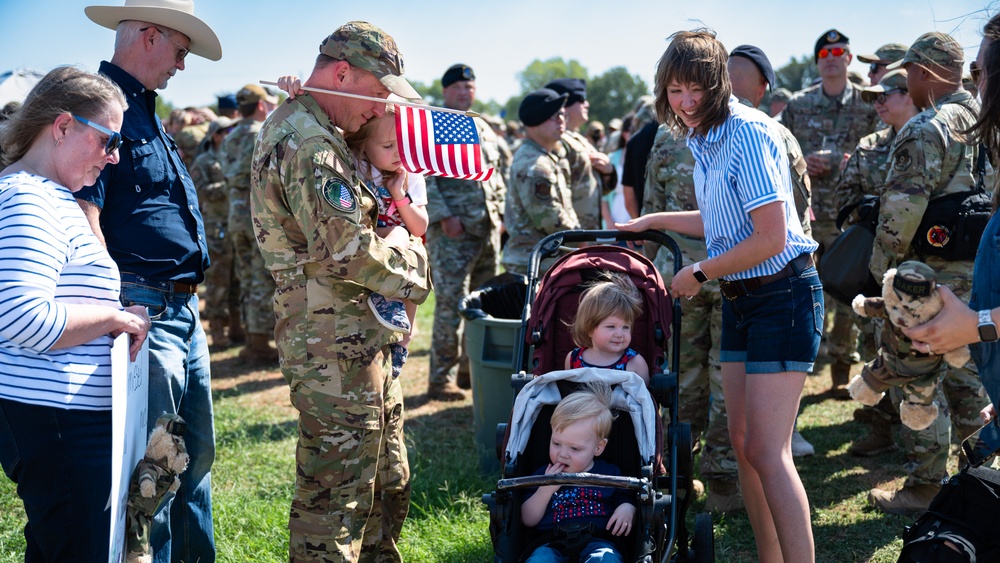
{"points": [[492, 316]]}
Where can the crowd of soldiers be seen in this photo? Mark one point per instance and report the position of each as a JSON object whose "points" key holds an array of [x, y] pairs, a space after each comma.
{"points": [[558, 170]]}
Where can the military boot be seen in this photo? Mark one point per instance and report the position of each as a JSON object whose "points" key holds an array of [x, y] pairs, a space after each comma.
{"points": [[464, 379], [879, 441], [217, 330], [724, 497], [840, 374], [236, 333], [448, 391], [911, 500], [258, 350]]}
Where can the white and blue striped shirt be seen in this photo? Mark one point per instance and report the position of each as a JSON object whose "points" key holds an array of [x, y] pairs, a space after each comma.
{"points": [[49, 256], [741, 165]]}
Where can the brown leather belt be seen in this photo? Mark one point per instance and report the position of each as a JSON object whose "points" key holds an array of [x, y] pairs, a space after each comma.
{"points": [[738, 288], [167, 286]]}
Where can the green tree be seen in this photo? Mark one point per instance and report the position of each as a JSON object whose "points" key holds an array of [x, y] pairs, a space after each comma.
{"points": [[613, 94], [539, 73], [796, 74]]}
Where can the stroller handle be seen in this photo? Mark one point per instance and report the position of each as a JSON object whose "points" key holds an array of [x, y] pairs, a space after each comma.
{"points": [[594, 479], [550, 245]]}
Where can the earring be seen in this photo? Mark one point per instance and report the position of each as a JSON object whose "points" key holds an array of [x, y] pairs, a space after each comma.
{"points": [[58, 141]]}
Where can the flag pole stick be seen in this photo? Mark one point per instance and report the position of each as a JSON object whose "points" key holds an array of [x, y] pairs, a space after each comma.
{"points": [[382, 100]]}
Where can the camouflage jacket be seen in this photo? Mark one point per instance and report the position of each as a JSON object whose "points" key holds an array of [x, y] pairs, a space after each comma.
{"points": [[237, 155], [926, 160], [670, 187], [538, 201], [585, 182], [820, 122], [209, 180], [477, 205], [314, 221], [867, 168]]}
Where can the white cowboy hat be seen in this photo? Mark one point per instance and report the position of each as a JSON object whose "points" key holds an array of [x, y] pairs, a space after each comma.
{"points": [[174, 14]]}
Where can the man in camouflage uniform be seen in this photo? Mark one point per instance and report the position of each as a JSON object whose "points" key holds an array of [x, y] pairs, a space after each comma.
{"points": [[315, 223], [864, 174], [213, 200], [777, 102], [539, 202], [879, 62], [928, 160], [828, 120], [591, 172], [256, 287], [463, 242]]}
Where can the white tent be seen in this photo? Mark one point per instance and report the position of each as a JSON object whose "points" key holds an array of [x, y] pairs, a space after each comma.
{"points": [[15, 84]]}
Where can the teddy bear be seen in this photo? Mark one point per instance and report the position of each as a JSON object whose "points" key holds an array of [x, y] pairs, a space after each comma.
{"points": [[909, 298], [154, 477]]}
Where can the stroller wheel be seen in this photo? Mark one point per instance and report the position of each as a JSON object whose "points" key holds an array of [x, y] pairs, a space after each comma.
{"points": [[703, 543]]}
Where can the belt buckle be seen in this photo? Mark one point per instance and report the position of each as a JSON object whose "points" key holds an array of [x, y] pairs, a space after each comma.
{"points": [[728, 290]]}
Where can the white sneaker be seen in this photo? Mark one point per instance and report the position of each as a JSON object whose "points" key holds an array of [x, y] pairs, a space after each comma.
{"points": [[800, 447]]}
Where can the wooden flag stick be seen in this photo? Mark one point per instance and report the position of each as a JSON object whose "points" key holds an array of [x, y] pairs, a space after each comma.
{"points": [[382, 100]]}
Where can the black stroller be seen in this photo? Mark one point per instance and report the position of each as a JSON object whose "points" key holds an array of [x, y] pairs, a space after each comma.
{"points": [[659, 478]]}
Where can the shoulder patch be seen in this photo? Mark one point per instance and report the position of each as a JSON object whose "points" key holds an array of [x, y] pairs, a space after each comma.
{"points": [[339, 195], [543, 189], [902, 160]]}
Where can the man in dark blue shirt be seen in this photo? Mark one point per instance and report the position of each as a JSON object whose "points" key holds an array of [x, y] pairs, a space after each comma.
{"points": [[145, 209]]}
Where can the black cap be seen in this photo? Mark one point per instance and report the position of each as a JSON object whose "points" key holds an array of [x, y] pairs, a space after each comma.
{"points": [[455, 73], [228, 101], [758, 58], [829, 37], [575, 88], [539, 106]]}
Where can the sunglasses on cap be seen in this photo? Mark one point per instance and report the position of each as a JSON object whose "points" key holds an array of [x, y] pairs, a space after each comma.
{"points": [[880, 98], [114, 138], [975, 72], [836, 52]]}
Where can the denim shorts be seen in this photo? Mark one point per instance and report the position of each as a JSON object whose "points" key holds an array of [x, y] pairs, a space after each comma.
{"points": [[776, 328]]}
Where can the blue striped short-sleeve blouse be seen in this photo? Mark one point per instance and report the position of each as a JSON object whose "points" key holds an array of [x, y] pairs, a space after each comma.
{"points": [[49, 257], [742, 165]]}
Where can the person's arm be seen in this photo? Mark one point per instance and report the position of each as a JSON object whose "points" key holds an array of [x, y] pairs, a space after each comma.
{"points": [[438, 210], [88, 322], [414, 216], [93, 214], [639, 366], [533, 508], [620, 522], [684, 222], [631, 205], [568, 364]]}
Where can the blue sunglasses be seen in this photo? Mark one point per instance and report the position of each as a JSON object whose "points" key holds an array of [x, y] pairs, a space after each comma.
{"points": [[114, 138]]}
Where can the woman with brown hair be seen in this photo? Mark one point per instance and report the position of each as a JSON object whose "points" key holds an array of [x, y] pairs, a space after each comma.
{"points": [[772, 314]]}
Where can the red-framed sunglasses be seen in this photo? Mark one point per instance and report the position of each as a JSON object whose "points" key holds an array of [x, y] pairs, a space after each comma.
{"points": [[836, 51]]}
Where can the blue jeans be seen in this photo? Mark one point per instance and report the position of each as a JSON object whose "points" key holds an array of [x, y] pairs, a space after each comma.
{"points": [[597, 551], [180, 382], [61, 462], [777, 327]]}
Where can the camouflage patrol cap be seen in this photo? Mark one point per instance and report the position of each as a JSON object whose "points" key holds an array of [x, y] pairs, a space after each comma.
{"points": [[220, 123], [915, 279], [892, 80], [369, 48], [781, 95], [253, 93], [933, 48], [886, 54], [190, 136]]}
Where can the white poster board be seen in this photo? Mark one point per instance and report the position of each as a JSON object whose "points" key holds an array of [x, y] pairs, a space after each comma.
{"points": [[129, 403]]}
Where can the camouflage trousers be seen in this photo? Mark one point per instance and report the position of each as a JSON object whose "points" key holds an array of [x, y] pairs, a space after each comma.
{"points": [[702, 403], [256, 284], [352, 486], [959, 398], [221, 285], [842, 334], [458, 265]]}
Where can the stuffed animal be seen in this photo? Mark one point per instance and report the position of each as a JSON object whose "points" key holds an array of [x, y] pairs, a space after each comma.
{"points": [[909, 298], [156, 475]]}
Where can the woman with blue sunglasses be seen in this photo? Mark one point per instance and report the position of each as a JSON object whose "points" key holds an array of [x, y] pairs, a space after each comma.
{"points": [[59, 313]]}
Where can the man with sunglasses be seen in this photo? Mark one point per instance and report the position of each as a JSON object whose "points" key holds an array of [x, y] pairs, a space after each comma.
{"points": [[828, 120], [883, 57], [145, 210], [928, 161]]}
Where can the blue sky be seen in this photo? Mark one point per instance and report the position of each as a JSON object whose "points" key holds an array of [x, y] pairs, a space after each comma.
{"points": [[263, 40]]}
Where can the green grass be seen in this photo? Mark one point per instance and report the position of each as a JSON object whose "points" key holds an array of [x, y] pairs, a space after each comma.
{"points": [[254, 472]]}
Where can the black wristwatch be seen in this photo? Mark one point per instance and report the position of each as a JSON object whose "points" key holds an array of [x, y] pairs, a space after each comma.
{"points": [[987, 328], [698, 274]]}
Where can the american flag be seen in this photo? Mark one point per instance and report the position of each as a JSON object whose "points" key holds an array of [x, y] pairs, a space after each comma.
{"points": [[439, 143]]}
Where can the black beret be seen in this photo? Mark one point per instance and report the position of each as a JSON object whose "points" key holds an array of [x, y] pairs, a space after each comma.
{"points": [[228, 102], [539, 106], [758, 58], [456, 73], [828, 38], [576, 88]]}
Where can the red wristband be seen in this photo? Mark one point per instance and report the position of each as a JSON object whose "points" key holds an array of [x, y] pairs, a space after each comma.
{"points": [[403, 202]]}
